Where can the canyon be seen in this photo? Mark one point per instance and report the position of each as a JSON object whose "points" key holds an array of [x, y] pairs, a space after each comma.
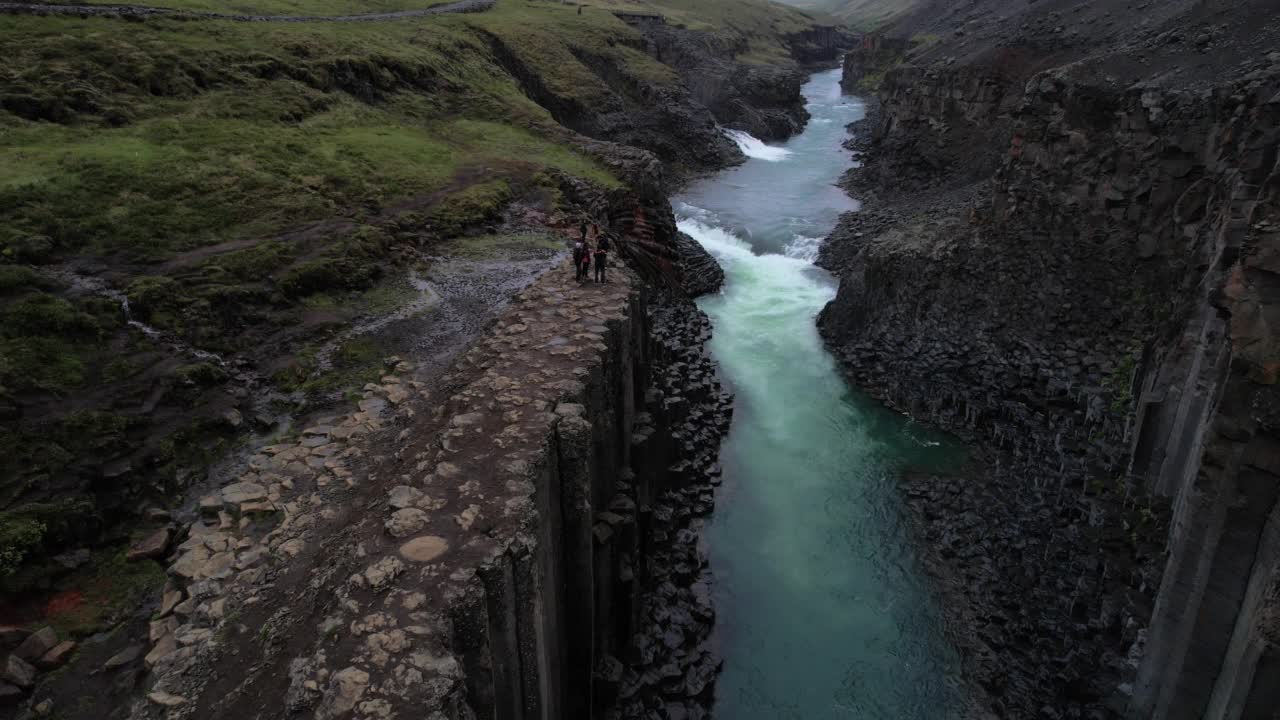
{"points": [[964, 410]]}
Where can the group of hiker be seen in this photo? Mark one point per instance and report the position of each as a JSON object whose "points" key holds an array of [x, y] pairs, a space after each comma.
{"points": [[590, 250]]}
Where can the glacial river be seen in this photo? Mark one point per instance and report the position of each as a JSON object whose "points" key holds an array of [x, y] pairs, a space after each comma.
{"points": [[821, 610]]}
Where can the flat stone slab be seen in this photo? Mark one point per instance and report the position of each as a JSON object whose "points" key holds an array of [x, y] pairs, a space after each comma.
{"points": [[424, 549], [243, 492]]}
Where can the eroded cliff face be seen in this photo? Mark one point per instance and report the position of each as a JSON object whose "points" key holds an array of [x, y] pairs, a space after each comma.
{"points": [[1099, 319]]}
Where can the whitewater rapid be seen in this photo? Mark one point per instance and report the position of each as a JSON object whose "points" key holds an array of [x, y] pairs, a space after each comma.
{"points": [[755, 148]]}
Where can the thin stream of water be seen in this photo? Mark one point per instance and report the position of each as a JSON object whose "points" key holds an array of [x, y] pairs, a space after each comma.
{"points": [[822, 612]]}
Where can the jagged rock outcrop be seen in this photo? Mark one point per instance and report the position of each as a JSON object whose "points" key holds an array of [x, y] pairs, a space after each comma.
{"points": [[1098, 319]]}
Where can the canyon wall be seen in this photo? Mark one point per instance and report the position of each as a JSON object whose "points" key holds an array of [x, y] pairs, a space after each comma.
{"points": [[725, 74], [1073, 270], [525, 549]]}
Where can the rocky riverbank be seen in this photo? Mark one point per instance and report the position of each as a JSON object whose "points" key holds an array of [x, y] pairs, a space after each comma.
{"points": [[1063, 263]]}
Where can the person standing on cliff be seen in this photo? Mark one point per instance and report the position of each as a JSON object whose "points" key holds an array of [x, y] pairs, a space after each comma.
{"points": [[602, 254], [581, 255]]}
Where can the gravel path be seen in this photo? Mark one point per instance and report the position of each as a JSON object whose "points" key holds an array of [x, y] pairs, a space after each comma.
{"points": [[460, 6]]}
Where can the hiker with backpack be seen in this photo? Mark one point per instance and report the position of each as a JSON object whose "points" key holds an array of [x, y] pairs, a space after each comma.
{"points": [[601, 254]]}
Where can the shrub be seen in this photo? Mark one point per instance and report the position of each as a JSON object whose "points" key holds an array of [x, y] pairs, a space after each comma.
{"points": [[201, 374], [20, 537], [150, 295], [42, 314], [17, 277], [329, 274]]}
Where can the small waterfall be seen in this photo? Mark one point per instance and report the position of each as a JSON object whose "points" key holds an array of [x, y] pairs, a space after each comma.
{"points": [[753, 147], [87, 284]]}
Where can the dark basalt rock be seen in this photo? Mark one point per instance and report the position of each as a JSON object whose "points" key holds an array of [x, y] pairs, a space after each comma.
{"points": [[669, 668], [700, 273], [1066, 273]]}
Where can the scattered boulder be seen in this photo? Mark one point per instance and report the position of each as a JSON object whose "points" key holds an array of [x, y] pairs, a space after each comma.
{"points": [[151, 547], [122, 658], [406, 522], [57, 656], [403, 496], [344, 691], [165, 647], [169, 601], [18, 672], [37, 644], [380, 574], [164, 699]]}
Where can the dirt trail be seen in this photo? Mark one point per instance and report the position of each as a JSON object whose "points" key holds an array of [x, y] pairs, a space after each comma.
{"points": [[460, 6]]}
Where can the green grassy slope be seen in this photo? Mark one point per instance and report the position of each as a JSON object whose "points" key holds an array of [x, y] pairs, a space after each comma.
{"points": [[862, 14], [276, 7], [764, 24]]}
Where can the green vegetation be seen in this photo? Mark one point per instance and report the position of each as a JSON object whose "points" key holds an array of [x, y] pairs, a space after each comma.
{"points": [[201, 374], [873, 79], [45, 340], [105, 589], [753, 18], [355, 362], [168, 140], [1119, 383], [289, 7], [490, 246], [248, 186], [26, 529], [866, 15], [761, 24], [919, 40]]}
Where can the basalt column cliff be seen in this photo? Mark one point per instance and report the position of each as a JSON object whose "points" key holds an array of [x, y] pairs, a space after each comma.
{"points": [[1068, 255]]}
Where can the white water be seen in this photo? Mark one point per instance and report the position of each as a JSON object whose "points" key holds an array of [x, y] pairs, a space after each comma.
{"points": [[822, 614], [754, 148]]}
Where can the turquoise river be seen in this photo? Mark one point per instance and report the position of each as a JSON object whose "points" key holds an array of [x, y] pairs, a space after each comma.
{"points": [[822, 611]]}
